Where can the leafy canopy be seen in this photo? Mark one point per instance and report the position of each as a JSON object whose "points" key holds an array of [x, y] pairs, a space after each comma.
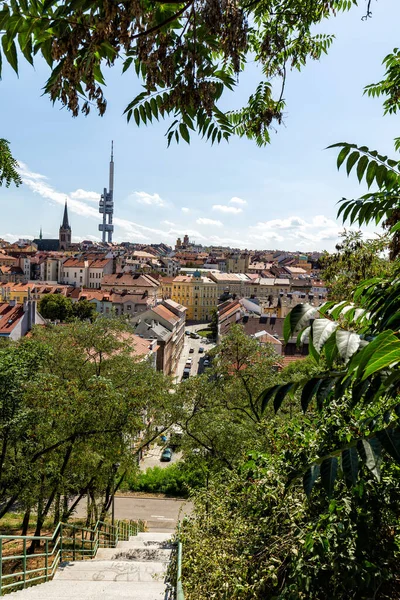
{"points": [[186, 54]]}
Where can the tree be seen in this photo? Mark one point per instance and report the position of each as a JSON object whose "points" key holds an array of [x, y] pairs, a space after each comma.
{"points": [[354, 261], [214, 323], [8, 166], [84, 310], [74, 402], [186, 55], [55, 307]]}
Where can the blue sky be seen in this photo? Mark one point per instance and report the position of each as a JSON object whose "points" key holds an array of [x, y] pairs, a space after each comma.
{"points": [[281, 196]]}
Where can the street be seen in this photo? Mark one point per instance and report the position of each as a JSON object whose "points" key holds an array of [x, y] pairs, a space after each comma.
{"points": [[160, 514], [195, 356]]}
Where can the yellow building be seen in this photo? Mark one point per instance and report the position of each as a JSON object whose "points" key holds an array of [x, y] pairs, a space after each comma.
{"points": [[199, 294]]}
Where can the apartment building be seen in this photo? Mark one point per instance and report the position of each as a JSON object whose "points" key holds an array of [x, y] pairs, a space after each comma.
{"points": [[165, 323], [131, 282], [199, 294], [88, 273]]}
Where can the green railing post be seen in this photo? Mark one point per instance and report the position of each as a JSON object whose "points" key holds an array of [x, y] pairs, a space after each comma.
{"points": [[73, 544], [83, 544], [46, 560], [1, 564], [24, 563], [61, 542]]}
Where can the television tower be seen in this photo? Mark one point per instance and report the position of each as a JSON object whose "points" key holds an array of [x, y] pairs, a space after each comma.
{"points": [[106, 205]]}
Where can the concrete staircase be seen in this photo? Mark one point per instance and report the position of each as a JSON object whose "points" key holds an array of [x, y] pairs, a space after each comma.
{"points": [[134, 570]]}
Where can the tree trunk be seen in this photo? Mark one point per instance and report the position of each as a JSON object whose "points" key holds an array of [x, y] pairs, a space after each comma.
{"points": [[57, 502], [25, 522]]}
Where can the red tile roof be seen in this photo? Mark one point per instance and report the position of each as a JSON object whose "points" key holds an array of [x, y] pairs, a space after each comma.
{"points": [[9, 317]]}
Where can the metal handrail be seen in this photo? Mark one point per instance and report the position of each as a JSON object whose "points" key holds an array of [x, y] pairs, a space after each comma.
{"points": [[64, 544], [179, 589]]}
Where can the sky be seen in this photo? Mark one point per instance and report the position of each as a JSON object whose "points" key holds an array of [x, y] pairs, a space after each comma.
{"points": [[282, 196]]}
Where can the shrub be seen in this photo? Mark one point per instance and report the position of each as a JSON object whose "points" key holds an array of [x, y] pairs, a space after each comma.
{"points": [[175, 480]]}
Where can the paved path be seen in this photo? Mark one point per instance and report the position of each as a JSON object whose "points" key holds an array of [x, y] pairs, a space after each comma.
{"points": [[161, 514]]}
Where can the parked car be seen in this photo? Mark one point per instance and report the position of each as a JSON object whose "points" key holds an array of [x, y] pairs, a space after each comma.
{"points": [[187, 332], [166, 455], [186, 373], [201, 350], [192, 350], [206, 363], [194, 336]]}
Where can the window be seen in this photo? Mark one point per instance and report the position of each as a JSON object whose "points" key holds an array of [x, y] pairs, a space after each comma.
{"points": [[128, 307], [75, 275], [81, 271], [80, 278]]}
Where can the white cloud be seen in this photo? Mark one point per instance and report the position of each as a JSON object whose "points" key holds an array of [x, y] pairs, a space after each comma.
{"points": [[227, 209], [169, 223], [84, 195], [318, 229], [236, 200], [149, 199], [205, 221], [185, 209]]}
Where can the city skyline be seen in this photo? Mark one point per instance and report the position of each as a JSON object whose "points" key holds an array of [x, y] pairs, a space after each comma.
{"points": [[283, 196]]}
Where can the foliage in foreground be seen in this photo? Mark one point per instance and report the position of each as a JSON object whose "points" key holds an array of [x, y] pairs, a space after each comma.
{"points": [[186, 54], [8, 165], [250, 537]]}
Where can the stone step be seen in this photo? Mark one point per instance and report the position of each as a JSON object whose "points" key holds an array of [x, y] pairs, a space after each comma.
{"points": [[138, 543], [111, 570], [141, 553], [152, 536], [92, 590]]}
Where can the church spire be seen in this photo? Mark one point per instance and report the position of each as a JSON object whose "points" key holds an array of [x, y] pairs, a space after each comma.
{"points": [[41, 233], [65, 223]]}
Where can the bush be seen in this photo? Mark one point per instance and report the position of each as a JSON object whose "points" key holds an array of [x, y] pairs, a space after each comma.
{"points": [[175, 480]]}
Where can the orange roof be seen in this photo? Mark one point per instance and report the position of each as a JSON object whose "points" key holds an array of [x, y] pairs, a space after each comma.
{"points": [[166, 314], [9, 317]]}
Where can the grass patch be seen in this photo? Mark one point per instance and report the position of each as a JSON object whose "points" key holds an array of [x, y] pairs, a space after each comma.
{"points": [[205, 333]]}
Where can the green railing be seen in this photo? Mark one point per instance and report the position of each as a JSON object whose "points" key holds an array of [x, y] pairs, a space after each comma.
{"points": [[68, 542], [179, 589]]}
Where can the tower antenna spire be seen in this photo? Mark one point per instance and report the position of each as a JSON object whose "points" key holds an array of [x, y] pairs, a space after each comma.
{"points": [[106, 205]]}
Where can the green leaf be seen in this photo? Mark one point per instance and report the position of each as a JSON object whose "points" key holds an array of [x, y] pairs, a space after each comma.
{"points": [[350, 464], [10, 52], [330, 349], [347, 343], [351, 161], [184, 132], [390, 440], [266, 396], [298, 318], [309, 479], [322, 329], [280, 395], [324, 390], [362, 165], [370, 453], [309, 390], [371, 171], [329, 469], [342, 155]]}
